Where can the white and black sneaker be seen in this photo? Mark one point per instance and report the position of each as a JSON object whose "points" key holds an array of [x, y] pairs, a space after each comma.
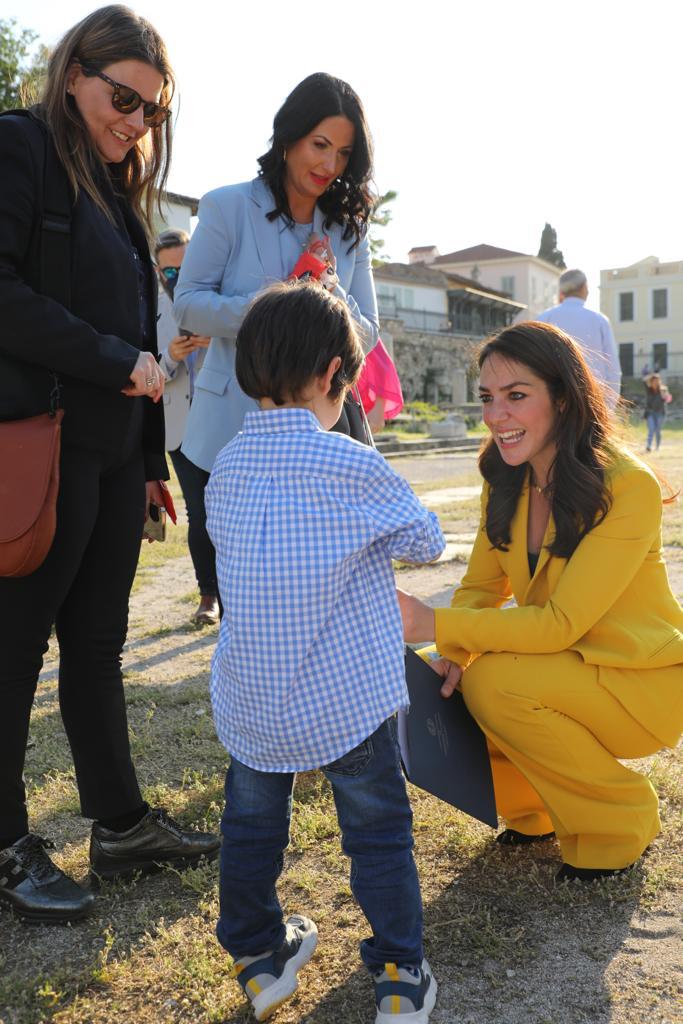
{"points": [[35, 889], [404, 994], [270, 979]]}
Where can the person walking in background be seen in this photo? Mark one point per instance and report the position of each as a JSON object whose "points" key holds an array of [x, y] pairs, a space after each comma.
{"points": [[100, 140], [657, 397], [313, 181], [592, 331], [181, 355], [309, 667]]}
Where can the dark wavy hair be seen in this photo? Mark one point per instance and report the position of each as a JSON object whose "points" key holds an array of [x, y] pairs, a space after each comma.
{"points": [[348, 200], [583, 435]]}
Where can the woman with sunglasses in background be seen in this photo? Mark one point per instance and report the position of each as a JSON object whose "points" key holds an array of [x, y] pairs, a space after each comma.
{"points": [[313, 182], [77, 307]]}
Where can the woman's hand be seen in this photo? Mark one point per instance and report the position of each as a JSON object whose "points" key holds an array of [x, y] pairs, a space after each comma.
{"points": [[184, 344], [376, 416], [418, 618], [146, 378], [322, 250], [451, 674], [154, 495]]}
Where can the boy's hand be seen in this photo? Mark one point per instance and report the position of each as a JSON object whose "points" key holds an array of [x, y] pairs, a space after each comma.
{"points": [[418, 618]]}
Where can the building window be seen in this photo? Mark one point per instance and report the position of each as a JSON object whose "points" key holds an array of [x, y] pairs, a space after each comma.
{"points": [[626, 358], [660, 355], [507, 285], [626, 305], [533, 289], [660, 303], [408, 298]]}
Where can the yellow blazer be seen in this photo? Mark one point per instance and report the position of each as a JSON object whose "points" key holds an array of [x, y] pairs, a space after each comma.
{"points": [[610, 602]]}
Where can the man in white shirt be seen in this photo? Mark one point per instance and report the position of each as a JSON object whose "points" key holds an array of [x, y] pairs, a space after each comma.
{"points": [[590, 329]]}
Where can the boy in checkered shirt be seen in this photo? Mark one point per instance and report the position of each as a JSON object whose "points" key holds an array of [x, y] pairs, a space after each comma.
{"points": [[309, 666]]}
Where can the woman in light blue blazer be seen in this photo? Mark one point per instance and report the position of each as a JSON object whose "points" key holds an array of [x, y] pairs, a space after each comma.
{"points": [[314, 178]]}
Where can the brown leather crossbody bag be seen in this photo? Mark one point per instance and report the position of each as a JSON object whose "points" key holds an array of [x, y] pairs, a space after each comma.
{"points": [[29, 484], [30, 448]]}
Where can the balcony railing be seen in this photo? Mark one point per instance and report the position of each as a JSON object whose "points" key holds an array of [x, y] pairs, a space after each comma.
{"points": [[414, 319]]}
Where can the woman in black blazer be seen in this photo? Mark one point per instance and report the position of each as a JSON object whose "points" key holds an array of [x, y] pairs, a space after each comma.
{"points": [[87, 160]]}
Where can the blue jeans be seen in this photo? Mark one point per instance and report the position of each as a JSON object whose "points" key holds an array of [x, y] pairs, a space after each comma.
{"points": [[376, 824], [654, 428]]}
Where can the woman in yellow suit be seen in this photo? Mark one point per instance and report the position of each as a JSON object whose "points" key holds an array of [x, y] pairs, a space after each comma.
{"points": [[588, 667]]}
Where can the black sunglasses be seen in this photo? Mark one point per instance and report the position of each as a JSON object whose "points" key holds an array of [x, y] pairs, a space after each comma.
{"points": [[127, 100]]}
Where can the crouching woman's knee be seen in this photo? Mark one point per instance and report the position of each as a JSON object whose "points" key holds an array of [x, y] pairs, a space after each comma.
{"points": [[485, 687]]}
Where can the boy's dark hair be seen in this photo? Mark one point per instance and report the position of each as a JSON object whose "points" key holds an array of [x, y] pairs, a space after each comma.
{"points": [[289, 336]]}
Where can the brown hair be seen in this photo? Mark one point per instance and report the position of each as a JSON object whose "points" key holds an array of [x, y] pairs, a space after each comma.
{"points": [[106, 36], [584, 438], [289, 337]]}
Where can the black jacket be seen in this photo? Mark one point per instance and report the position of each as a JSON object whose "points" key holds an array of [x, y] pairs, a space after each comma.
{"points": [[93, 345]]}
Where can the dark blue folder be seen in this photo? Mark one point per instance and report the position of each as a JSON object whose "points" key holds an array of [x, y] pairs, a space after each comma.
{"points": [[443, 749]]}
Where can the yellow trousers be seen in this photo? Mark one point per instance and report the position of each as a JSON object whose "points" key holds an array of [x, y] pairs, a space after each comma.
{"points": [[555, 735]]}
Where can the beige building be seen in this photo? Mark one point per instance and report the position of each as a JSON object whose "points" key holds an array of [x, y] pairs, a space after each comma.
{"points": [[645, 304], [431, 321], [526, 279]]}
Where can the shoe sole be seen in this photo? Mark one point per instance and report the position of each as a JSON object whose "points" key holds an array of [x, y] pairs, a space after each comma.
{"points": [[46, 916], [268, 1001], [419, 1016], [126, 871]]}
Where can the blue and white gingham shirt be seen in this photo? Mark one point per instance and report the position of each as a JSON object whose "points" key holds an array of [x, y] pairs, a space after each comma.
{"points": [[305, 523]]}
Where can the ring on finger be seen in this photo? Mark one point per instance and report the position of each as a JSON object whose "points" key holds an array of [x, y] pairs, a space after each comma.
{"points": [[150, 382]]}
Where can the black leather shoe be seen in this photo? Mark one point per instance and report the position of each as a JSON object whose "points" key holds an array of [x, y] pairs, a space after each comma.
{"points": [[568, 873], [35, 888], [153, 843], [511, 837]]}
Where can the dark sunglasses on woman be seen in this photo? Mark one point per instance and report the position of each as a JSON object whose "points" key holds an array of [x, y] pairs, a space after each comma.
{"points": [[127, 100]]}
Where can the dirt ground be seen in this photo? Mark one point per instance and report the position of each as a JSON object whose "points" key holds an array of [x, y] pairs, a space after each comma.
{"points": [[506, 944]]}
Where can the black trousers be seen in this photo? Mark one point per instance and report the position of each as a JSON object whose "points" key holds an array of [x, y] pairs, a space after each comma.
{"points": [[83, 588], [193, 481]]}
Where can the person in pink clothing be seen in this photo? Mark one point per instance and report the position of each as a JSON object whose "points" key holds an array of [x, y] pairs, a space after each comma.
{"points": [[379, 387]]}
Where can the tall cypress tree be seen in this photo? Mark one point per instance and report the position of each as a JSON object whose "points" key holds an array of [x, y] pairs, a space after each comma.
{"points": [[548, 249]]}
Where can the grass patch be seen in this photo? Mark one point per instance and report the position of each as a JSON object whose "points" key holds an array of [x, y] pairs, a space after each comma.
{"points": [[502, 939]]}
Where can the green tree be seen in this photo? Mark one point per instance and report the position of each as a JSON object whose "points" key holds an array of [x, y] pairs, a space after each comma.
{"points": [[548, 249], [380, 217], [21, 72]]}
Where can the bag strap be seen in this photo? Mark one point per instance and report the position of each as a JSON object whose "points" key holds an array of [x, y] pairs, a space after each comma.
{"points": [[55, 227]]}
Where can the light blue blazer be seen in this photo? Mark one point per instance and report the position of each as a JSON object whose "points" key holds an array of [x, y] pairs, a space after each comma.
{"points": [[234, 253]]}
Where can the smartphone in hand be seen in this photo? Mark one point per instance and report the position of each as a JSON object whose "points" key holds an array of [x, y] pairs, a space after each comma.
{"points": [[155, 524]]}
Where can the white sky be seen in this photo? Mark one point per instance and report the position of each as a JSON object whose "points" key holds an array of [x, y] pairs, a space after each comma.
{"points": [[488, 118]]}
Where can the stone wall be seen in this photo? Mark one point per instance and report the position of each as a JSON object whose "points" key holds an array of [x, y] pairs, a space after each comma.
{"points": [[432, 367]]}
